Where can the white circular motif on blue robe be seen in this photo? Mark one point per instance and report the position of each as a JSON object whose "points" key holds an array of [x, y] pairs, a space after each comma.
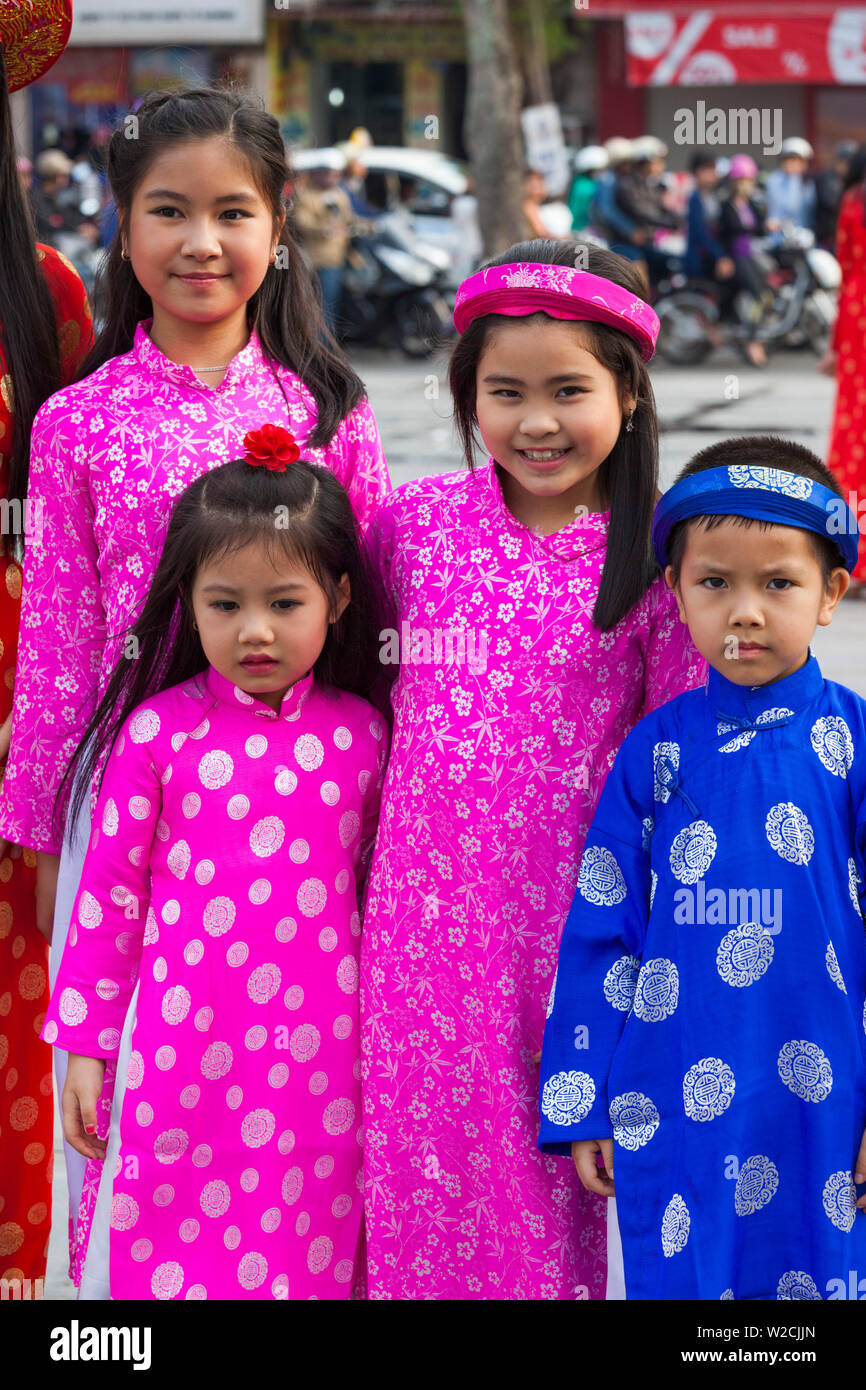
{"points": [[552, 993], [864, 1016], [742, 739], [662, 775], [658, 990], [675, 1226], [832, 741], [646, 833], [744, 955], [854, 885], [745, 736], [708, 1089], [654, 883], [789, 833], [620, 983], [729, 1293], [831, 961], [693, 851], [806, 1070], [771, 479], [840, 1200], [600, 880], [567, 1097], [797, 1284], [635, 1119], [757, 1183]]}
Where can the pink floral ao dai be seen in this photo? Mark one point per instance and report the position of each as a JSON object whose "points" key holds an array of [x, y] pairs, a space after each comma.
{"points": [[496, 766]]}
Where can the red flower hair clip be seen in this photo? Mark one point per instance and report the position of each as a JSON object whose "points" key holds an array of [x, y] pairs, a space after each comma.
{"points": [[271, 447]]}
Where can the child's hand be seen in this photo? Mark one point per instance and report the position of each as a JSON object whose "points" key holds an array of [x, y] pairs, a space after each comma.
{"points": [[84, 1077], [596, 1179], [860, 1170]]}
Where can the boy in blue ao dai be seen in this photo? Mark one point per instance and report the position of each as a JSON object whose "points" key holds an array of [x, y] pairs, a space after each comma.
{"points": [[708, 1018]]}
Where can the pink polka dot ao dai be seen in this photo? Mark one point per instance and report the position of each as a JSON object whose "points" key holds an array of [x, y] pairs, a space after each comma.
{"points": [[224, 872]]}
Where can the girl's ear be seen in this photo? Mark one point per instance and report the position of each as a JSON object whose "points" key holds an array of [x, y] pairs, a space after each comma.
{"points": [[344, 598]]}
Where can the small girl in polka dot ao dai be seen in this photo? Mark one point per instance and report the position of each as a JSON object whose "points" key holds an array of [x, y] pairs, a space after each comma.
{"points": [[235, 812]]}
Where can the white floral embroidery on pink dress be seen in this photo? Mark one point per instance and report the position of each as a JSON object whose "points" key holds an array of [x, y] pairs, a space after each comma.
{"points": [[489, 793], [110, 454]]}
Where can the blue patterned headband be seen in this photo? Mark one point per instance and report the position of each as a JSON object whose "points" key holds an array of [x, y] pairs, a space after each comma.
{"points": [[768, 494]]}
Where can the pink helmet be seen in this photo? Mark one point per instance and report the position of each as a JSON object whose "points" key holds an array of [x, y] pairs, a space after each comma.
{"points": [[743, 166]]}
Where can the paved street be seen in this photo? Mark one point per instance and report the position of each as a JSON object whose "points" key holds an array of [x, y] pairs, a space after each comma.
{"points": [[696, 407]]}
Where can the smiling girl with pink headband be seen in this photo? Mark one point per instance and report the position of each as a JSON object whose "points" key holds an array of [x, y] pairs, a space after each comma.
{"points": [[533, 631]]}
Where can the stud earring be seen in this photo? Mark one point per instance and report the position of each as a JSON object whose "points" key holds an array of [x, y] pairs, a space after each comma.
{"points": [[124, 254]]}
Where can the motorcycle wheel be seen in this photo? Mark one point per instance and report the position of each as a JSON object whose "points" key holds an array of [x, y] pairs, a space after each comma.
{"points": [[419, 325], [817, 330], [683, 339]]}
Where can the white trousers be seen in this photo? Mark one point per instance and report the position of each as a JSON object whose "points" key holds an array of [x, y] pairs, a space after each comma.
{"points": [[94, 1282], [615, 1272], [68, 879]]}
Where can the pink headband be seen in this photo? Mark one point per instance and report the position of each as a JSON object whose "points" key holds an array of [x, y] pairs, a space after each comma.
{"points": [[526, 288]]}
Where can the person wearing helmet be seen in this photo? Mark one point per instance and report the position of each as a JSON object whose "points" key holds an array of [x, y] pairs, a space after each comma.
{"points": [[589, 162], [620, 231], [324, 222], [790, 189], [653, 151], [641, 197], [54, 201], [829, 184], [742, 220], [705, 255], [352, 181]]}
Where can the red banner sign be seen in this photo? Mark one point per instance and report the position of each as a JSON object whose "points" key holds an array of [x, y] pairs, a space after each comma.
{"points": [[705, 48]]}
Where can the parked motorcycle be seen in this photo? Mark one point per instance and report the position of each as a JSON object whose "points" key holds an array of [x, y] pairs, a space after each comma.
{"points": [[394, 290], [798, 306]]}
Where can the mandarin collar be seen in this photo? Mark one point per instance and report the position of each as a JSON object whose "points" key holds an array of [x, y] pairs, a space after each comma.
{"points": [[793, 692], [224, 690], [579, 537], [243, 366]]}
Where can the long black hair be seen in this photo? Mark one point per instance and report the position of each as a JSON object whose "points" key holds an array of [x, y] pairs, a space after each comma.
{"points": [[286, 309], [220, 513], [628, 477], [27, 321]]}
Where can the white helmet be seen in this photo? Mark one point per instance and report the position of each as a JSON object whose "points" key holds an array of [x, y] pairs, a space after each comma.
{"points": [[795, 145], [590, 159], [619, 150], [649, 147]]}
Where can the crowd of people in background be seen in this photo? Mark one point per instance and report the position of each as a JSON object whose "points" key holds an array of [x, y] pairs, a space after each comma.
{"points": [[720, 208], [709, 217]]}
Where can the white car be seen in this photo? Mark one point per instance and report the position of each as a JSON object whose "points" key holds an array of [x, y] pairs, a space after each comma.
{"points": [[438, 180]]}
